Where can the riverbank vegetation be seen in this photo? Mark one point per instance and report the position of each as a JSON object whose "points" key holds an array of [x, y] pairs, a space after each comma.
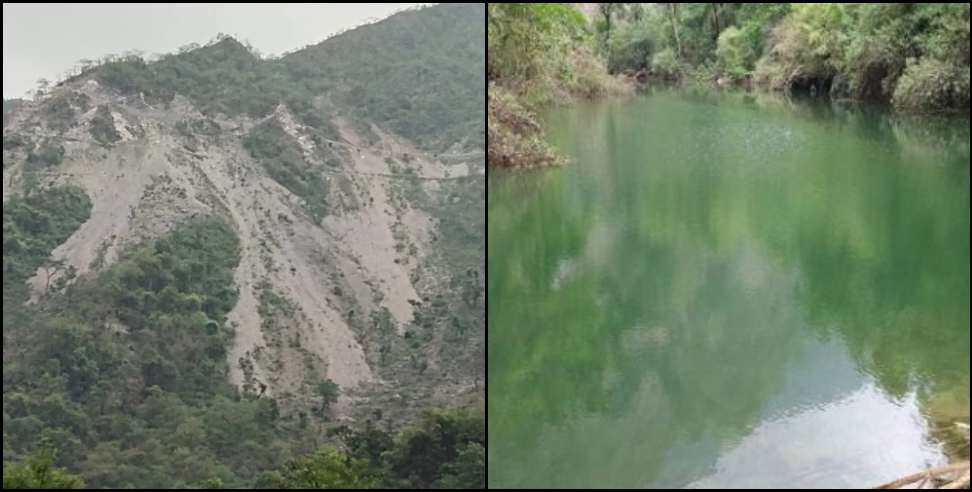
{"points": [[538, 54], [914, 57]]}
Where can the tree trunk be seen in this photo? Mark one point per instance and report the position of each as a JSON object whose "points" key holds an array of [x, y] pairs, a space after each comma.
{"points": [[51, 270], [606, 10], [673, 9], [715, 17]]}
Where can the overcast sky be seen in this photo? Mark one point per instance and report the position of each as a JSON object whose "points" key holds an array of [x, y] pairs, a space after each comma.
{"points": [[44, 40]]}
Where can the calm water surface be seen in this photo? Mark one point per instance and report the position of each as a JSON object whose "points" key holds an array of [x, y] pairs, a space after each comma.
{"points": [[729, 290]]}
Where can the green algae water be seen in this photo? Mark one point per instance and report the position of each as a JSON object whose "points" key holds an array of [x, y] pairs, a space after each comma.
{"points": [[729, 290]]}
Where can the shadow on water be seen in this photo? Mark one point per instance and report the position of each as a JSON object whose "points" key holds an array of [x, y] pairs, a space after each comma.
{"points": [[713, 277]]}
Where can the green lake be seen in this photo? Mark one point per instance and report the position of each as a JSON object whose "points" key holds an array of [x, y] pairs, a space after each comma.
{"points": [[729, 290]]}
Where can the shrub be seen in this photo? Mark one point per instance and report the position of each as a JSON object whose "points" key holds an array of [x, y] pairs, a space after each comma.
{"points": [[807, 48], [325, 469], [14, 140], [424, 450], [513, 134], [46, 154], [59, 113], [526, 41], [871, 69], [544, 52], [948, 36], [468, 471], [103, 126], [329, 392], [704, 73], [665, 65], [39, 471], [280, 156], [631, 48], [588, 77], [930, 85], [735, 53]]}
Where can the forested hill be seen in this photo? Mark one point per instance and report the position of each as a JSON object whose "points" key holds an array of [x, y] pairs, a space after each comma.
{"points": [[228, 270], [418, 73]]}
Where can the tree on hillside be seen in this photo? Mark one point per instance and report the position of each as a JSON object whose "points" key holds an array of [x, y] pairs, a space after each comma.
{"points": [[325, 469], [468, 471], [53, 268], [37, 471], [329, 392]]}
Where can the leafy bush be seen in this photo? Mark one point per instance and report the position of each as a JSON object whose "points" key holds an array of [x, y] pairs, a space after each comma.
{"points": [[102, 126], [425, 452], [665, 65], [735, 53], [769, 74], [131, 75], [59, 113], [948, 38], [46, 154], [514, 134], [544, 54], [9, 107], [38, 471], [631, 48], [807, 48], [325, 469], [527, 40], [929, 85], [13, 141], [329, 392], [469, 469], [702, 74], [882, 36], [588, 77], [205, 127], [279, 154]]}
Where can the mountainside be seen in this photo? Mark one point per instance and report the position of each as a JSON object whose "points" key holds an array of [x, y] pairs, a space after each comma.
{"points": [[215, 234]]}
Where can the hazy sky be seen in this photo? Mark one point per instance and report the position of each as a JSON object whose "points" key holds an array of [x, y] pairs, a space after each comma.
{"points": [[44, 40]]}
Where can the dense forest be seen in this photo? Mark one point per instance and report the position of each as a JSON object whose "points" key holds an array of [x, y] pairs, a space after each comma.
{"points": [[914, 57], [117, 378]]}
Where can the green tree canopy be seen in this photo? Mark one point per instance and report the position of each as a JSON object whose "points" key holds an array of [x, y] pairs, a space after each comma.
{"points": [[37, 471]]}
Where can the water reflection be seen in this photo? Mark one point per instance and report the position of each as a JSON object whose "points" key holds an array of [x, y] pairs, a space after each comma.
{"points": [[864, 438], [708, 277]]}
